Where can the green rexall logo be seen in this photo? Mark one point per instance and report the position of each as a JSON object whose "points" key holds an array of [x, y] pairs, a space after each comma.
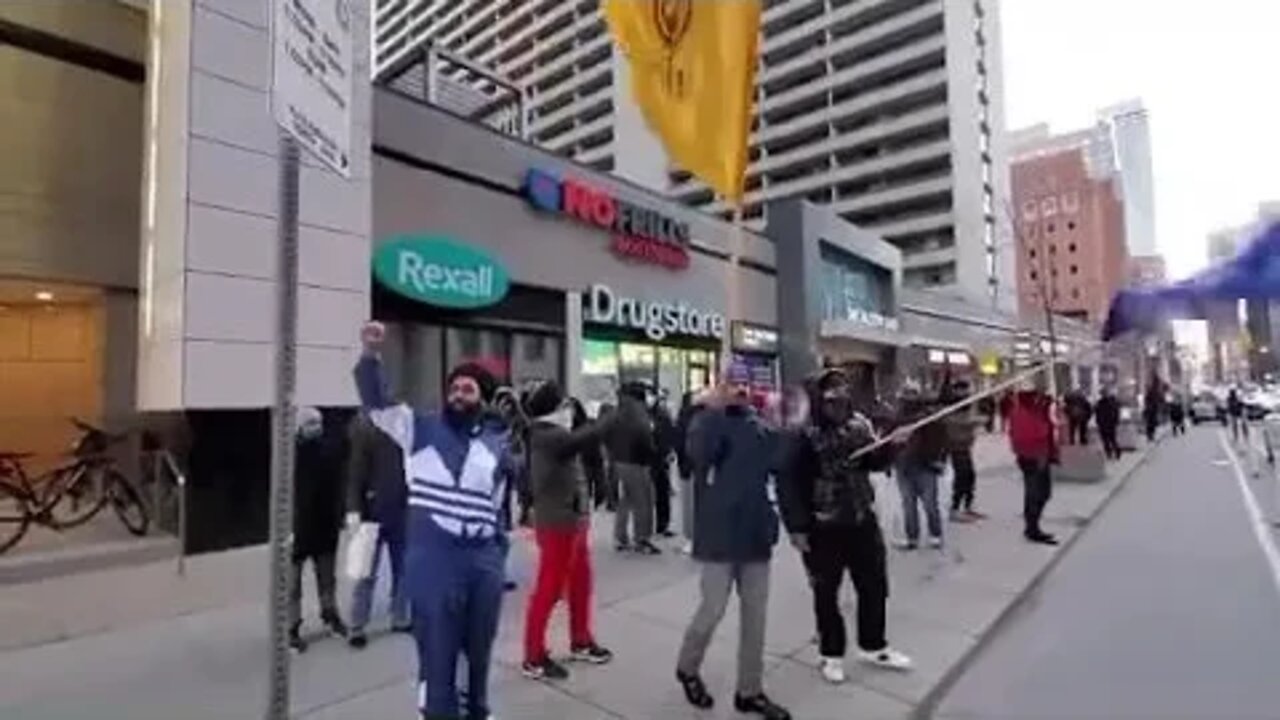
{"points": [[440, 271]]}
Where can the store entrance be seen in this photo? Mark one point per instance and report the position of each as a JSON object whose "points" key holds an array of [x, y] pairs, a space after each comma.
{"points": [[607, 365]]}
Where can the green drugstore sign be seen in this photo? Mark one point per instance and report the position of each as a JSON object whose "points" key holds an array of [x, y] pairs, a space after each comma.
{"points": [[439, 271]]}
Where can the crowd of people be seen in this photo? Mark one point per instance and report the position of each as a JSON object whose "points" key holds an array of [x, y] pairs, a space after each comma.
{"points": [[446, 488]]}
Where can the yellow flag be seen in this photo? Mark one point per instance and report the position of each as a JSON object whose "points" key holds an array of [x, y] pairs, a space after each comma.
{"points": [[693, 65]]}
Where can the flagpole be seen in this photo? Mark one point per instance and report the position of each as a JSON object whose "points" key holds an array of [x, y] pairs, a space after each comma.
{"points": [[734, 285]]}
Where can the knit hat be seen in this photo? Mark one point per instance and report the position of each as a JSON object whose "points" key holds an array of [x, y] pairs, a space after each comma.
{"points": [[544, 399], [829, 379], [488, 384]]}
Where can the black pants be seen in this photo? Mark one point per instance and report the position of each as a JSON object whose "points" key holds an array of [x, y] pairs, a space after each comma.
{"points": [[1037, 489], [1078, 432], [965, 479], [859, 551], [661, 474], [1110, 445]]}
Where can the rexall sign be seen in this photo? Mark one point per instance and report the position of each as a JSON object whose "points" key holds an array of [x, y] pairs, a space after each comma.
{"points": [[440, 271]]}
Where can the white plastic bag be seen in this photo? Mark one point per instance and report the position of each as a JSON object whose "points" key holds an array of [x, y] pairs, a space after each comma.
{"points": [[360, 551]]}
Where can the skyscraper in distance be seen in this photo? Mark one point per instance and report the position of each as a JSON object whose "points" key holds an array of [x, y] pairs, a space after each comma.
{"points": [[1131, 135]]}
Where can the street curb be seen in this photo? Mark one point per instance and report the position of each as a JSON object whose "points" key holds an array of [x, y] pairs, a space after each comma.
{"points": [[926, 708]]}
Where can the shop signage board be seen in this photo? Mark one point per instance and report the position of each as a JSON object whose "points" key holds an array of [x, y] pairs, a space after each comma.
{"points": [[440, 271], [639, 233], [657, 319], [751, 338], [312, 77]]}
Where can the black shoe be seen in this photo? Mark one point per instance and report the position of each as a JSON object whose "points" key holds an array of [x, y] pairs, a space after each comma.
{"points": [[509, 585], [667, 534], [544, 669], [648, 548], [592, 653], [296, 643], [357, 640], [695, 691], [1041, 538], [402, 629], [623, 547], [334, 622], [760, 705]]}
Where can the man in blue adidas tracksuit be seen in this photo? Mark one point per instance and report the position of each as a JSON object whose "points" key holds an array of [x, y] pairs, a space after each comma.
{"points": [[457, 466]]}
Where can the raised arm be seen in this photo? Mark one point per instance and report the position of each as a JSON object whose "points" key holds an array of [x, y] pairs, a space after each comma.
{"points": [[394, 419]]}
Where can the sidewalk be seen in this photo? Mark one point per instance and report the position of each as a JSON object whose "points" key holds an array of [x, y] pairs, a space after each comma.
{"points": [[149, 645]]}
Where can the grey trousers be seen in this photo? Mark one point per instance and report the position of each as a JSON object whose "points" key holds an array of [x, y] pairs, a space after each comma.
{"points": [[635, 504], [718, 580], [686, 507], [325, 570]]}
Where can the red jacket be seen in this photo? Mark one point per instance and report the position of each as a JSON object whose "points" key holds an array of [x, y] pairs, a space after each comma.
{"points": [[1030, 428]]}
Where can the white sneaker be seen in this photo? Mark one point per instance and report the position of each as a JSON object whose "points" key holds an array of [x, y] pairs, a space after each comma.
{"points": [[935, 542], [686, 549], [833, 670], [887, 658]]}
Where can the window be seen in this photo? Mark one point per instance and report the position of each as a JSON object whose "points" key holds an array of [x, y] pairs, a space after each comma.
{"points": [[1033, 253], [1071, 224], [1049, 206], [1075, 269], [1035, 275], [1075, 293], [1053, 249], [1053, 272], [1029, 209], [1048, 229], [1071, 247], [1071, 202]]}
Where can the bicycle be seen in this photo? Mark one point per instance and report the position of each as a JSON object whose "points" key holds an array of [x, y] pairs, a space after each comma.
{"points": [[71, 494]]}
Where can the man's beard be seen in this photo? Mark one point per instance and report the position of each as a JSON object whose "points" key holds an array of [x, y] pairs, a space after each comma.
{"points": [[461, 415]]}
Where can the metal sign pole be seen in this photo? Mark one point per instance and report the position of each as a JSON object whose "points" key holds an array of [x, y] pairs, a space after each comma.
{"points": [[283, 419]]}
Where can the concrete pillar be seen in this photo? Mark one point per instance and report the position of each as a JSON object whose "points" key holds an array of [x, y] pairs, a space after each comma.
{"points": [[206, 323], [573, 343]]}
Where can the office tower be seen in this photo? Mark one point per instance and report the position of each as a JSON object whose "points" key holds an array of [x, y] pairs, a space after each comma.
{"points": [[891, 111], [1131, 135]]}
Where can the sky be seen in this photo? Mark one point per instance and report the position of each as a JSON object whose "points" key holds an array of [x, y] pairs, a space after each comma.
{"points": [[1208, 73]]}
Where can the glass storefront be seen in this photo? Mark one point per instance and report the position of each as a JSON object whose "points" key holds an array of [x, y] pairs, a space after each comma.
{"points": [[608, 364], [418, 357]]}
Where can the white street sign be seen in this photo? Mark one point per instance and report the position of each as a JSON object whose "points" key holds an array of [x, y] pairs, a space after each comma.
{"points": [[312, 77]]}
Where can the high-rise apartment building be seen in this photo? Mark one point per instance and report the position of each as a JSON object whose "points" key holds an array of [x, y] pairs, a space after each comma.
{"points": [[1131, 136], [888, 110], [1069, 223]]}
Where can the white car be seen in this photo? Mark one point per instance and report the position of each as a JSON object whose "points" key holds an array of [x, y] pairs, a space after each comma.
{"points": [[1205, 407]]}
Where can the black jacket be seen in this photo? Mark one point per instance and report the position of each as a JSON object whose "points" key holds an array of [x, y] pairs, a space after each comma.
{"points": [[685, 427], [818, 483], [927, 446], [630, 438], [317, 498], [1107, 411], [376, 487], [555, 472], [733, 456]]}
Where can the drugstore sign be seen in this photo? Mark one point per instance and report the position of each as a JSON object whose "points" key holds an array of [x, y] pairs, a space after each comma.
{"points": [[639, 233], [440, 271]]}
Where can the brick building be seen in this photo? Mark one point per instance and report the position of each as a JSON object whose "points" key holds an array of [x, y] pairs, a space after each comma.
{"points": [[1068, 223]]}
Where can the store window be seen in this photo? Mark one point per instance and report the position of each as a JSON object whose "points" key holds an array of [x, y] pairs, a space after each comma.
{"points": [[534, 357], [489, 348], [607, 365], [852, 286]]}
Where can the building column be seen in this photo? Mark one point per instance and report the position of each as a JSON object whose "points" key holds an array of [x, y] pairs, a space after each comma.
{"points": [[573, 343]]}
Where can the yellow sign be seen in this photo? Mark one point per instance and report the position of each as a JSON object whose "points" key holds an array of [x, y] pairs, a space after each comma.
{"points": [[989, 364]]}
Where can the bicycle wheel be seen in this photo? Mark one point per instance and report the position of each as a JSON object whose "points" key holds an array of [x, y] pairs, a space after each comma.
{"points": [[74, 496], [14, 518], [127, 503]]}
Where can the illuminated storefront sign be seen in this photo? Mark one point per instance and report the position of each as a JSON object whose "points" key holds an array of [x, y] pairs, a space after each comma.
{"points": [[639, 233], [657, 319], [754, 338]]}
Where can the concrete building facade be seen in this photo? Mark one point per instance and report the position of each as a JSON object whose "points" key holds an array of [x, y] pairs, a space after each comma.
{"points": [[1069, 226], [891, 112]]}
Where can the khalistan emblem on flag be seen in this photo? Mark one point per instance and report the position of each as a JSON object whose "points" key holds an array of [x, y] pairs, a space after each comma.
{"points": [[672, 19]]}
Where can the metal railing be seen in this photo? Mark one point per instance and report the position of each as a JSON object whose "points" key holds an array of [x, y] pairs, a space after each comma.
{"points": [[458, 85], [169, 500]]}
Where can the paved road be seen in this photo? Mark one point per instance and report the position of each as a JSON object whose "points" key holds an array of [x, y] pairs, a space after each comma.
{"points": [[1166, 608]]}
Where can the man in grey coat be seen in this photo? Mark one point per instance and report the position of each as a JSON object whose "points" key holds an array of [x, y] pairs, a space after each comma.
{"points": [[631, 447], [733, 539]]}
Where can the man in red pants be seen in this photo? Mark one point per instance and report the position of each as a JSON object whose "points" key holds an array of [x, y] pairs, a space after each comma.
{"points": [[561, 512]]}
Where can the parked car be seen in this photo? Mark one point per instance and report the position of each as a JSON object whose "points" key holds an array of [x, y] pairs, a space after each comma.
{"points": [[1206, 407], [1260, 403]]}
